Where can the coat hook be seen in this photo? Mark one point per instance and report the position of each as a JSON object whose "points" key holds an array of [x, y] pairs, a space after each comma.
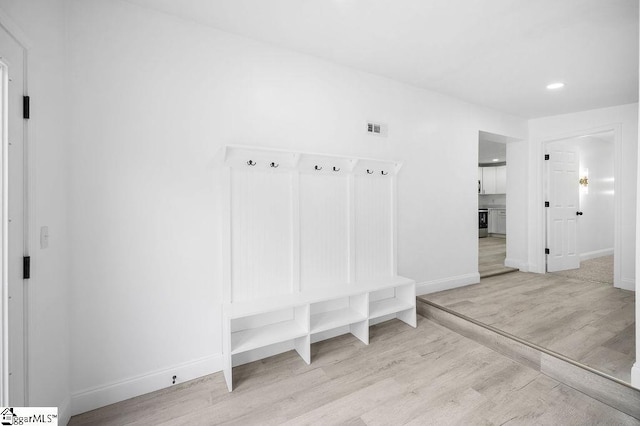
{"points": [[384, 173], [274, 165], [318, 168], [370, 172], [251, 163], [336, 169]]}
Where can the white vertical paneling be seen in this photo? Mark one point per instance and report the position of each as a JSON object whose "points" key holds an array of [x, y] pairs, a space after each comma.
{"points": [[225, 230], [295, 233], [324, 230], [373, 226], [394, 225], [352, 230], [261, 236]]}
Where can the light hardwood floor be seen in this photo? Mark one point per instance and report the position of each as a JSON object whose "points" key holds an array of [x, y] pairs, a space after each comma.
{"points": [[428, 375], [492, 252], [590, 322]]}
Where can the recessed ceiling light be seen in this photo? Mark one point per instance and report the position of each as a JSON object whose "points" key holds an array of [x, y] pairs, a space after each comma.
{"points": [[495, 159], [554, 86]]}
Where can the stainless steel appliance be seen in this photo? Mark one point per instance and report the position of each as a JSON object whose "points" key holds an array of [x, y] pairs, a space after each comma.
{"points": [[483, 223]]}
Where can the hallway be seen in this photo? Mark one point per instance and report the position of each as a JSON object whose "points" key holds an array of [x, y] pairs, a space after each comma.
{"points": [[492, 252]]}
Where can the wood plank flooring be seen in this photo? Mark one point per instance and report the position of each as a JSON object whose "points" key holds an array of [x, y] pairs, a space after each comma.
{"points": [[590, 322], [428, 375], [491, 254]]}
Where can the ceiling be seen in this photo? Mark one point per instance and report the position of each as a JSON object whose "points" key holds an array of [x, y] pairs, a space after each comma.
{"points": [[497, 53], [492, 146]]}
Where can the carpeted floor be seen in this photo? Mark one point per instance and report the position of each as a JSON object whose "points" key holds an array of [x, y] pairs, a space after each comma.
{"points": [[598, 270]]}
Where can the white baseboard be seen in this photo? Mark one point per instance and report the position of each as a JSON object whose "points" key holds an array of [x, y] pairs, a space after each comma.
{"points": [[626, 284], [515, 263], [90, 399], [64, 411], [635, 375], [447, 283], [595, 254]]}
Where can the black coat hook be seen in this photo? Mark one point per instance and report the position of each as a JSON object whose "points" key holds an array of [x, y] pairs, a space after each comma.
{"points": [[318, 168], [251, 163], [384, 173], [370, 172], [274, 165], [336, 169]]}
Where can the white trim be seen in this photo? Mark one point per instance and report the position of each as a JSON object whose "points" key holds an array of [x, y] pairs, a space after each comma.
{"points": [[626, 284], [447, 283], [518, 264], [596, 253], [635, 375], [64, 411], [14, 30], [4, 310], [96, 397]]}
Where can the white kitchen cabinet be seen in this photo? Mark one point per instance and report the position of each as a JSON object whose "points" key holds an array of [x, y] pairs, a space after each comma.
{"points": [[492, 180], [500, 222], [491, 221], [497, 221], [501, 179], [488, 180]]}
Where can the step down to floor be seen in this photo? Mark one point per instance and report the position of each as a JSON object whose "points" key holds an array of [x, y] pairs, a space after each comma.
{"points": [[497, 271], [600, 386]]}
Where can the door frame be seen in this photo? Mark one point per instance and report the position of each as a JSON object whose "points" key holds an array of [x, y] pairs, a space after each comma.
{"points": [[8, 25], [618, 188]]}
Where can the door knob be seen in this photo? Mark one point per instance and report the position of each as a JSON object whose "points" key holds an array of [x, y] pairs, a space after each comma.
{"points": [[578, 213]]}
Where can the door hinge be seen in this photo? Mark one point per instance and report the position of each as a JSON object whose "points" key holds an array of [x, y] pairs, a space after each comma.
{"points": [[546, 251], [25, 107], [546, 156], [546, 204], [26, 267]]}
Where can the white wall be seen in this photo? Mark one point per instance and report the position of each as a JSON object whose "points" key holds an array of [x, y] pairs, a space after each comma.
{"points": [[623, 120], [596, 225], [153, 99], [43, 23], [517, 205]]}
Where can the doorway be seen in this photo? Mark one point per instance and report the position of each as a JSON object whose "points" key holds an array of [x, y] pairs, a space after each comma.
{"points": [[492, 204], [580, 217]]}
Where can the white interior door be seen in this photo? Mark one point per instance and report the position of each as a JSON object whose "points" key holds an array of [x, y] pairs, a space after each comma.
{"points": [[12, 55], [563, 211]]}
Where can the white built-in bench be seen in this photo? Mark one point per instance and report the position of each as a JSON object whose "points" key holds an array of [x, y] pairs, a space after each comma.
{"points": [[309, 249]]}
